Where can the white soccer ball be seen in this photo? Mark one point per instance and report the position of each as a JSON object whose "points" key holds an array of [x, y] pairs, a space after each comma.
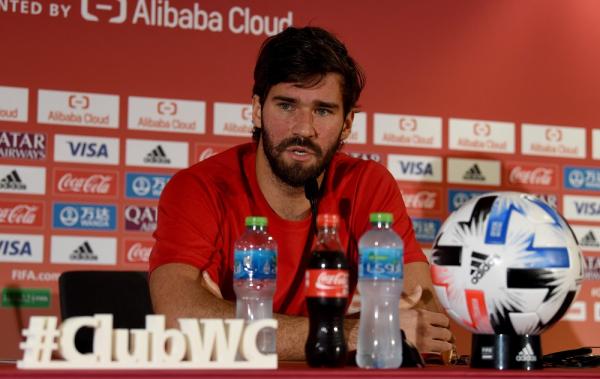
{"points": [[506, 263]]}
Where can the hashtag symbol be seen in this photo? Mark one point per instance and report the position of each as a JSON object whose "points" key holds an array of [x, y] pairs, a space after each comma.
{"points": [[41, 339]]}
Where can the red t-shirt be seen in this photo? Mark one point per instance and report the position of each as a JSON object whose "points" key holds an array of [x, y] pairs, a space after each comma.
{"points": [[202, 210]]}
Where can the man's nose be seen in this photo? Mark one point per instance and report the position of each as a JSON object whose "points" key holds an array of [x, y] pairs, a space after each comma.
{"points": [[304, 124]]}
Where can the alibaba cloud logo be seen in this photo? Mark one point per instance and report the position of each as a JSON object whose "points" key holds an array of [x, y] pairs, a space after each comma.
{"points": [[90, 9], [408, 124], [553, 135], [482, 129]]}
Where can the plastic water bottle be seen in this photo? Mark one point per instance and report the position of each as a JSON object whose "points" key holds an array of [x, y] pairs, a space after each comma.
{"points": [[254, 274], [380, 278]]}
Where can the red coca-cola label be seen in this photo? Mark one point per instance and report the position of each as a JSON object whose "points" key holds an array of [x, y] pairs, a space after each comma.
{"points": [[422, 199], [85, 182], [21, 213], [138, 251], [326, 283], [528, 174]]}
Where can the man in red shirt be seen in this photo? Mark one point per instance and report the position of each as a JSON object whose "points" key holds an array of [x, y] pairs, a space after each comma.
{"points": [[304, 98]]}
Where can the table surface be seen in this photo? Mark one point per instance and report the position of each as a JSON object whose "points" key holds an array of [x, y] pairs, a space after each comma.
{"points": [[301, 370]]}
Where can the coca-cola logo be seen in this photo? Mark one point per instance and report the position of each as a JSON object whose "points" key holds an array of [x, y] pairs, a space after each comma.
{"points": [[70, 182], [482, 129], [326, 281], [12, 213], [531, 174], [553, 135], [138, 251], [408, 124], [427, 200]]}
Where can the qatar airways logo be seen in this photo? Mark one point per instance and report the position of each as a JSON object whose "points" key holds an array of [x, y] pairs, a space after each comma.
{"points": [[21, 213], [78, 109], [13, 104], [407, 130], [140, 218], [138, 251], [479, 135], [553, 141], [166, 115], [91, 183], [531, 174], [17, 145], [419, 199]]}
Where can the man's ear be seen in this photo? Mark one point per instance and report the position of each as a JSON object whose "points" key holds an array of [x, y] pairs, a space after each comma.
{"points": [[256, 112], [347, 127]]}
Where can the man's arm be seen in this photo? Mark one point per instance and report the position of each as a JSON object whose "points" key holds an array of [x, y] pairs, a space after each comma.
{"points": [[180, 291], [424, 322]]}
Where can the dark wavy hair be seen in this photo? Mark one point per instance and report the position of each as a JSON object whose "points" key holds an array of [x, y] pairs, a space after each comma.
{"points": [[305, 55]]}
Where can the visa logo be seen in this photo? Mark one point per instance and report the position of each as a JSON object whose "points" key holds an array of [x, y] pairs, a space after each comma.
{"points": [[88, 149], [416, 168], [15, 247], [588, 209]]}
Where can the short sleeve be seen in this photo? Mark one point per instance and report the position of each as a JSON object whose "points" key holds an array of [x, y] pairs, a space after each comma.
{"points": [[187, 228]]}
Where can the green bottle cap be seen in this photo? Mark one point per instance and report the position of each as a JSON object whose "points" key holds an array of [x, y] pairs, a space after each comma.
{"points": [[256, 221], [381, 217]]}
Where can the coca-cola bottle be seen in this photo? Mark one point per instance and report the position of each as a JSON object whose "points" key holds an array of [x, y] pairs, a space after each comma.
{"points": [[326, 297]]}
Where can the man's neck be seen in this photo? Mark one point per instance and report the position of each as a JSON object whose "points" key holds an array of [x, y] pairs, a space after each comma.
{"points": [[288, 202]]}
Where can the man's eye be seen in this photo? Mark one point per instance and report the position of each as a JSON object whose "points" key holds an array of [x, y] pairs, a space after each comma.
{"points": [[286, 106], [323, 111]]}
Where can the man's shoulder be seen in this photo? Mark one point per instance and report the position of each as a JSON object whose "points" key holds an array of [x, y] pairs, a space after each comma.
{"points": [[225, 169]]}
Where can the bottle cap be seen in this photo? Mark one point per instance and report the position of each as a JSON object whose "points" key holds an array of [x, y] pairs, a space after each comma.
{"points": [[328, 219], [381, 217], [256, 221]]}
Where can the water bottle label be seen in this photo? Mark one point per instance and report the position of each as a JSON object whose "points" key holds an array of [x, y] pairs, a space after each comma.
{"points": [[326, 283], [380, 263], [254, 264]]}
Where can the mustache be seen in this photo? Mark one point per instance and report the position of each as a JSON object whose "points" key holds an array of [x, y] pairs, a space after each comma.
{"points": [[298, 141]]}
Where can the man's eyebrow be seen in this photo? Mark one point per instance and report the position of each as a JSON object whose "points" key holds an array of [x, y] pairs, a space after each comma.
{"points": [[285, 98], [325, 104]]}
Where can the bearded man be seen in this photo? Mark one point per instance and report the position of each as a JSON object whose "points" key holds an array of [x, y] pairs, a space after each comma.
{"points": [[306, 88]]}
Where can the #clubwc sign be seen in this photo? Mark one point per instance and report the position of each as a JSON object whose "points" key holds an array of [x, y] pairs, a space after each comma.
{"points": [[197, 344]]}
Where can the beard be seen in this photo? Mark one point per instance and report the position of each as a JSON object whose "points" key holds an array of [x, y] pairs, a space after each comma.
{"points": [[296, 174]]}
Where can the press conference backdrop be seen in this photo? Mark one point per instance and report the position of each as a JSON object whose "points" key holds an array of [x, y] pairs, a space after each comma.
{"points": [[101, 101]]}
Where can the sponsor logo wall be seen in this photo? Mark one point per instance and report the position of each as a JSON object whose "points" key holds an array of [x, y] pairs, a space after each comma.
{"points": [[83, 162]]}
